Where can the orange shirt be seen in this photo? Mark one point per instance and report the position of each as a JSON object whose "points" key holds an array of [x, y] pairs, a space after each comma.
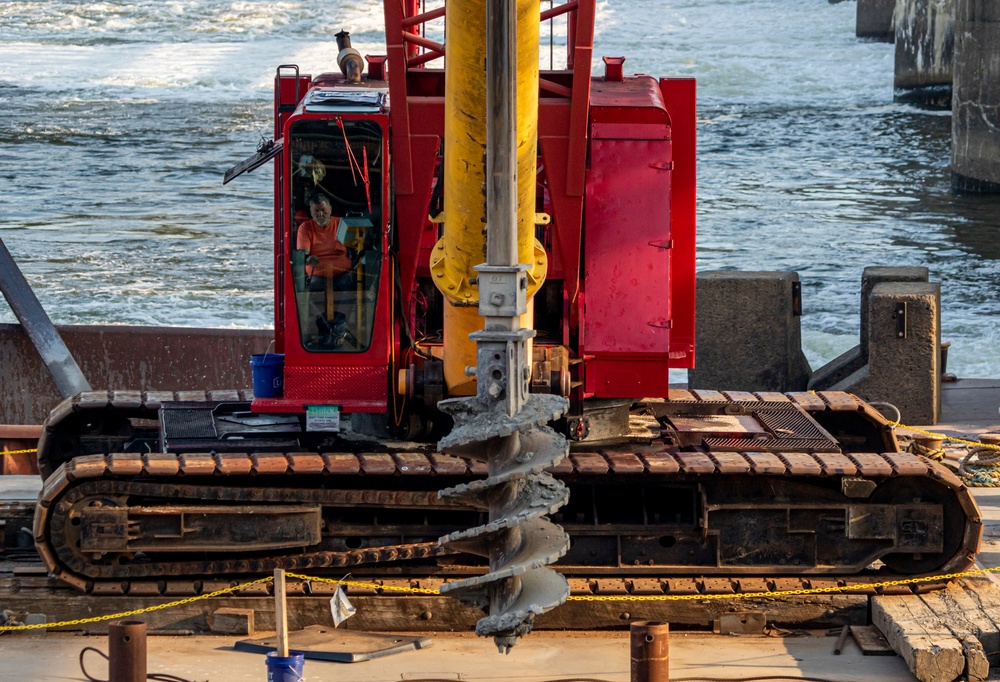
{"points": [[322, 242]]}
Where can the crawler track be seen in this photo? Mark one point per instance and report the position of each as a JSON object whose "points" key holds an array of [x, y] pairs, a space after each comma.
{"points": [[645, 518]]}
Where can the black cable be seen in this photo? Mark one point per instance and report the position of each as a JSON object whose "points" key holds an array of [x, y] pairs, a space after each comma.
{"points": [[157, 677]]}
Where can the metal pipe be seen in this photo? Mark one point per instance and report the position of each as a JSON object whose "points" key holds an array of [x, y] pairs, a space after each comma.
{"points": [[39, 328], [127, 651], [650, 652]]}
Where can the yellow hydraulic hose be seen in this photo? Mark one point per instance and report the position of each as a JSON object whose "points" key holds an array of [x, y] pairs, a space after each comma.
{"points": [[463, 245]]}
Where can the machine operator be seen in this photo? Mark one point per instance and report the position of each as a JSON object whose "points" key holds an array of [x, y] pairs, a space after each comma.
{"points": [[329, 268]]}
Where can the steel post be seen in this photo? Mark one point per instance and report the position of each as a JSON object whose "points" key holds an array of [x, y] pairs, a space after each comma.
{"points": [[39, 328], [127, 651], [650, 652]]}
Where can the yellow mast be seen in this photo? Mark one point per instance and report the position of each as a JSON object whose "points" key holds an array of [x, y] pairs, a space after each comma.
{"points": [[463, 245]]}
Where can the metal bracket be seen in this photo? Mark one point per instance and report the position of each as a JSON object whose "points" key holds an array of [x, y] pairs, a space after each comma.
{"points": [[797, 299], [899, 314]]}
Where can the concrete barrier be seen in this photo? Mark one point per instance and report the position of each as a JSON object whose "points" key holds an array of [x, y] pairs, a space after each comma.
{"points": [[975, 123], [874, 20], [925, 46], [748, 332], [126, 358], [904, 351]]}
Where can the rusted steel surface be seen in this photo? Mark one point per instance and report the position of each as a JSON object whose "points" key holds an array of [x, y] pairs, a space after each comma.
{"points": [[650, 652], [14, 438], [127, 651], [125, 357]]}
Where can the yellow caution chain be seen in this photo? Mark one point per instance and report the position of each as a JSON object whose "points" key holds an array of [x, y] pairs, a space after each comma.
{"points": [[976, 443], [18, 452], [429, 591]]}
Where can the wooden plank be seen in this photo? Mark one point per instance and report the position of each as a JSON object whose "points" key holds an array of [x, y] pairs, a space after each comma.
{"points": [[870, 641], [930, 650], [676, 394]]}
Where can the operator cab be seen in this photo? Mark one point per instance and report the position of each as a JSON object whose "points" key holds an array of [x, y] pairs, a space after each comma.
{"points": [[338, 162]]}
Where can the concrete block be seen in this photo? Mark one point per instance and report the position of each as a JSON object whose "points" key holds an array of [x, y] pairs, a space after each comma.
{"points": [[925, 49], [838, 369], [748, 332], [874, 20], [904, 350], [227, 621], [877, 274], [975, 124]]}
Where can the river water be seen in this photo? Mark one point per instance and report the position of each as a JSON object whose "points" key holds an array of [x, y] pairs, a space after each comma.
{"points": [[119, 118]]}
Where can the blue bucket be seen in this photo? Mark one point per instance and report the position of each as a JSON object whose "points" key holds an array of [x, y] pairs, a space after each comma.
{"points": [[268, 375], [285, 668]]}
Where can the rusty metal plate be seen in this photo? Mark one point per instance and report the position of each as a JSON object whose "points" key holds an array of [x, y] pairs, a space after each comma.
{"points": [[645, 586], [870, 464], [412, 463], [446, 465], [772, 397], [801, 464], [716, 585], [342, 463], [234, 464], [711, 396], [197, 463], [589, 463], [810, 402], [695, 463], [742, 396], [153, 400], [660, 463], [730, 462], [127, 400], [748, 585], [675, 394], [625, 463], [269, 463], [564, 467], [306, 463], [839, 401], [682, 586], [380, 464], [162, 464], [88, 466], [765, 463], [906, 464], [125, 463], [835, 464]]}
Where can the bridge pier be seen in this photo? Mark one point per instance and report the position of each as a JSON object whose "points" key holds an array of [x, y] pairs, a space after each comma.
{"points": [[975, 119], [874, 20], [925, 42]]}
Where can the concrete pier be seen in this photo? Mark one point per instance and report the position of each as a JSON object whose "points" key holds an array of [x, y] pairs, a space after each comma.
{"points": [[749, 333], [975, 121], [925, 46], [874, 20]]}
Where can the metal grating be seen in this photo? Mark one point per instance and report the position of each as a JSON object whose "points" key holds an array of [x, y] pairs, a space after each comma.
{"points": [[187, 423]]}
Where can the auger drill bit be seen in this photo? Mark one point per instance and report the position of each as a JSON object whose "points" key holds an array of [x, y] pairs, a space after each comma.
{"points": [[518, 541], [503, 424]]}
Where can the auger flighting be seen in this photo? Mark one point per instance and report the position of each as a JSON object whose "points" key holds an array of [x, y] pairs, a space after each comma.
{"points": [[504, 424]]}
